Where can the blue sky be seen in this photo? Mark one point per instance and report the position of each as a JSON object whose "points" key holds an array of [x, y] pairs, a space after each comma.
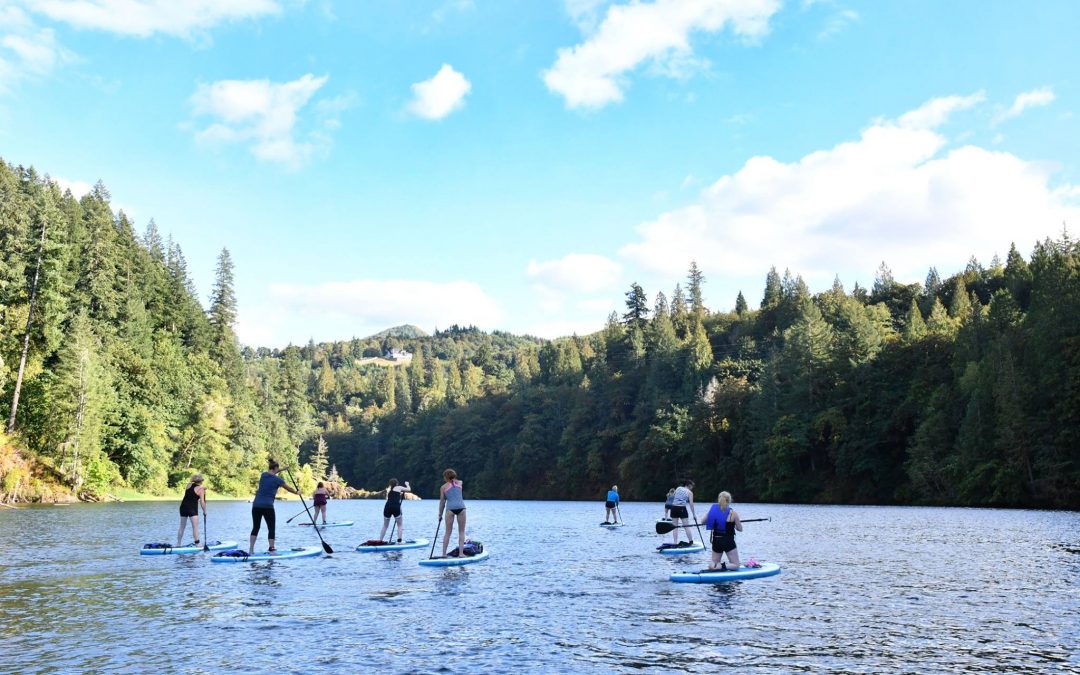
{"points": [[517, 165]]}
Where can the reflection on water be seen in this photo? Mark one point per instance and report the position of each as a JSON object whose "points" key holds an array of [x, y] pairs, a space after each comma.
{"points": [[868, 590]]}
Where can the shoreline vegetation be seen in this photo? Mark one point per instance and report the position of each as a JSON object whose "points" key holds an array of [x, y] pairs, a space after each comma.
{"points": [[957, 391]]}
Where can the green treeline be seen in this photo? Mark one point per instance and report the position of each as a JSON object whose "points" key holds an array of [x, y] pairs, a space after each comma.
{"points": [[963, 390], [111, 371]]}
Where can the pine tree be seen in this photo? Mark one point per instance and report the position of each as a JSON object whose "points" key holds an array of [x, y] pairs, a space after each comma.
{"points": [[914, 326], [680, 317], [694, 280], [740, 304], [773, 291], [319, 460], [637, 308]]}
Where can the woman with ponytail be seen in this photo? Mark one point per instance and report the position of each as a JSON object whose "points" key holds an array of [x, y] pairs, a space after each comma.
{"points": [[723, 521]]}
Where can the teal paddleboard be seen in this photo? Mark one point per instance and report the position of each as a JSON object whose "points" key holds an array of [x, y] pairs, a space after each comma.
{"points": [[719, 577], [281, 554], [454, 562], [405, 545], [177, 550], [333, 523]]}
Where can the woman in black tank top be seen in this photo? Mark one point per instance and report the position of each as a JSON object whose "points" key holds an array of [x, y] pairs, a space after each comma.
{"points": [[392, 508], [194, 496]]}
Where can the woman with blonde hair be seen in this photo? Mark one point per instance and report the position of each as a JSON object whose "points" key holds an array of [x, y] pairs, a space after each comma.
{"points": [[723, 521], [194, 496]]}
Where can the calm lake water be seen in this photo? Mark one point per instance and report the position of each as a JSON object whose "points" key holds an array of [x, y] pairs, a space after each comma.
{"points": [[863, 590]]}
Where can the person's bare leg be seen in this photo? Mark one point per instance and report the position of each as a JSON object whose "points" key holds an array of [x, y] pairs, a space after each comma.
{"points": [[180, 532], [195, 528], [385, 524], [461, 533], [400, 528], [446, 535], [733, 559]]}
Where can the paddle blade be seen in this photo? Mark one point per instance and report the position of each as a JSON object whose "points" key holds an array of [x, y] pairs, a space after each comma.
{"points": [[326, 547], [663, 527]]}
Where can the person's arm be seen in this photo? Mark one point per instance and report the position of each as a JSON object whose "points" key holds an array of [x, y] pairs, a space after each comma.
{"points": [[442, 501], [408, 488], [288, 488], [690, 501], [737, 520], [202, 498]]}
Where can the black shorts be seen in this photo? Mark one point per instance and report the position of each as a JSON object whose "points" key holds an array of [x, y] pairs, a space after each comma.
{"points": [[184, 513], [391, 511], [723, 543], [679, 512], [610, 505]]}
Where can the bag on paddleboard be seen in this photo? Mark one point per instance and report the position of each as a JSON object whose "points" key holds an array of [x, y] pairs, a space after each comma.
{"points": [[235, 553], [472, 548], [157, 546], [375, 542]]}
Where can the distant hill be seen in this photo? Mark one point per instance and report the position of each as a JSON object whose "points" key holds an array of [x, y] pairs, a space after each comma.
{"points": [[406, 332]]}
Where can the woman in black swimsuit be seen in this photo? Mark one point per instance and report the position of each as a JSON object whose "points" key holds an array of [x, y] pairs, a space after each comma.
{"points": [[194, 496], [392, 509]]}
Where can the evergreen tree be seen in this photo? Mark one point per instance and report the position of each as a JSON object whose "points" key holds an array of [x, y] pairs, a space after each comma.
{"points": [[320, 459], [694, 279], [637, 308], [740, 304]]}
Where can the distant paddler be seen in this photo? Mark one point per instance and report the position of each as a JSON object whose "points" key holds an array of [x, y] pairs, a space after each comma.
{"points": [[611, 505], [392, 508]]}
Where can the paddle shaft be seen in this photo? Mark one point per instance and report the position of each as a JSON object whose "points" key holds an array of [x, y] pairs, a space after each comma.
{"points": [[326, 547], [665, 528], [435, 538], [205, 536], [294, 517], [618, 512]]}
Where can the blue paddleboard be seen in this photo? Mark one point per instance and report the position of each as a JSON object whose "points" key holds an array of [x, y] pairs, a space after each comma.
{"points": [[282, 554], [696, 548], [718, 577], [213, 545], [454, 562], [405, 545]]}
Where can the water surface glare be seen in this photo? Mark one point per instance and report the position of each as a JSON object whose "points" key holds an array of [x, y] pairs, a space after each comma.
{"points": [[863, 590]]}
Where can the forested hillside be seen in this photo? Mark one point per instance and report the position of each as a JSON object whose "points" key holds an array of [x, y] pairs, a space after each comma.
{"points": [[960, 390]]}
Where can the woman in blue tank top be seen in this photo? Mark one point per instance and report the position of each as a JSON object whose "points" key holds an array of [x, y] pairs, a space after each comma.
{"points": [[723, 521]]}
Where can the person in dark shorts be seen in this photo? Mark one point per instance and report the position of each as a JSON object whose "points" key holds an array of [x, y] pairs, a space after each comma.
{"points": [[682, 505], [262, 507], [452, 501], [392, 508], [194, 496], [611, 515], [723, 521]]}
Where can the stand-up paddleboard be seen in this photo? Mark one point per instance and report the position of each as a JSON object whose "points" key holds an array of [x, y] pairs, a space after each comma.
{"points": [[611, 525], [405, 545], [333, 523], [165, 549], [283, 554], [453, 562], [680, 550], [719, 577]]}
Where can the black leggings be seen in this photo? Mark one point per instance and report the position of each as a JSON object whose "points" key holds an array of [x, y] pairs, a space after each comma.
{"points": [[262, 513]]}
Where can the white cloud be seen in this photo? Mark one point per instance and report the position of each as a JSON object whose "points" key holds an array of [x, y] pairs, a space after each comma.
{"points": [[143, 18], [898, 193], [592, 74], [441, 95], [838, 22], [361, 307], [585, 13], [78, 187], [1036, 98], [27, 50], [576, 273], [264, 114]]}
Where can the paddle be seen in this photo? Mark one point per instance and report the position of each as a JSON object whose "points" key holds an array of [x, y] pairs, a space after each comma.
{"points": [[666, 527], [205, 537], [434, 539], [618, 513], [325, 546], [294, 517]]}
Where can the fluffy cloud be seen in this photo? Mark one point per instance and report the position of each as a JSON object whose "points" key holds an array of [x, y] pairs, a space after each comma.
{"points": [[78, 187], [330, 310], [26, 49], [441, 95], [1036, 98], [264, 114], [143, 18], [898, 193], [592, 74], [576, 273]]}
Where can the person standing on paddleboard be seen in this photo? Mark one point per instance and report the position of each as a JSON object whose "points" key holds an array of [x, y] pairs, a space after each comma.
{"points": [[667, 503], [194, 496], [262, 507], [319, 499], [682, 500], [723, 521], [392, 508], [452, 501], [611, 504]]}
